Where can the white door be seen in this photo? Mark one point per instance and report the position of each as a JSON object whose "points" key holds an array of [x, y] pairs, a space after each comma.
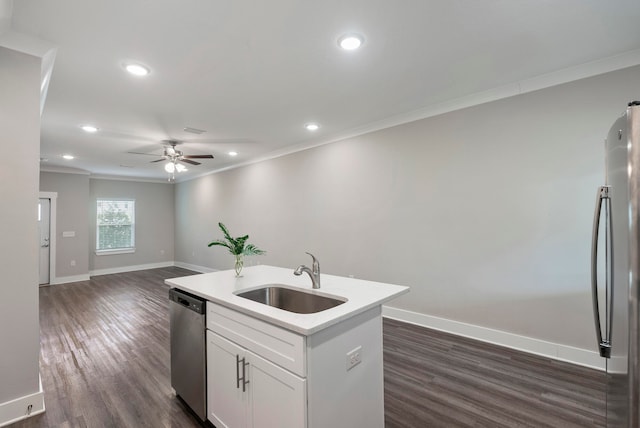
{"points": [[44, 220]]}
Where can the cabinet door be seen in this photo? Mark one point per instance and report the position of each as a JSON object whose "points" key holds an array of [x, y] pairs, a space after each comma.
{"points": [[226, 403], [278, 397]]}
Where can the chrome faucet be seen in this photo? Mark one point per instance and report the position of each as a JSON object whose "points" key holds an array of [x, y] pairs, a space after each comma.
{"points": [[314, 272]]}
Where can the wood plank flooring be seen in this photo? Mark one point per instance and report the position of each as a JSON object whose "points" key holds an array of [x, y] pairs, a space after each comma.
{"points": [[105, 363], [434, 379], [105, 353]]}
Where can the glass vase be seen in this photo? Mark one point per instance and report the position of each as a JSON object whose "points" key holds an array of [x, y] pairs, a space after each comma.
{"points": [[239, 264]]}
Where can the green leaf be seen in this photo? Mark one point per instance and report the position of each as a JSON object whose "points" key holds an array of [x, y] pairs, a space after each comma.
{"points": [[251, 250], [236, 246], [226, 233], [219, 242]]}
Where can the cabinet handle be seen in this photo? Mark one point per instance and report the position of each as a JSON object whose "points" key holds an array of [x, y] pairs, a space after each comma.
{"points": [[238, 371], [244, 375]]}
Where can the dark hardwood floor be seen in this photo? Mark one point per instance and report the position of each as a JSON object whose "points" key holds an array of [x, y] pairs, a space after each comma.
{"points": [[435, 379], [105, 363], [105, 353]]}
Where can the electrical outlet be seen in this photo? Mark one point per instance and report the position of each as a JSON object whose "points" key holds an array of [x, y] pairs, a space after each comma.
{"points": [[354, 357], [162, 252], [73, 263]]}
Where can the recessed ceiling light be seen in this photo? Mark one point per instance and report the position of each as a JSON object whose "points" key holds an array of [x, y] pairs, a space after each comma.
{"points": [[89, 128], [312, 126], [350, 42], [68, 157], [137, 69], [233, 153]]}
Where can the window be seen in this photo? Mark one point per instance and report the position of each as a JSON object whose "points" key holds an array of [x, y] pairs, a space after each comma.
{"points": [[115, 226]]}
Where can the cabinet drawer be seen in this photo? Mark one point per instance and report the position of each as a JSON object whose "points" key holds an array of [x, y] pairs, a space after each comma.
{"points": [[276, 344]]}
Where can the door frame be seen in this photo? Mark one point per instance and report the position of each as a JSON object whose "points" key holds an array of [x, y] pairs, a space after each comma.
{"points": [[52, 196]]}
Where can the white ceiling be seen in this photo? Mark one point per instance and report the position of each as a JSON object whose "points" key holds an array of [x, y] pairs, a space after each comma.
{"points": [[252, 73]]}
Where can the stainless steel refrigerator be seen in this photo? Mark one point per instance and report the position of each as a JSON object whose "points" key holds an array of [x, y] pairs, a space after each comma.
{"points": [[615, 269]]}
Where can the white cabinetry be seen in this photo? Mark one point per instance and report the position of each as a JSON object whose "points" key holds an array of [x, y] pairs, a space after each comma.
{"points": [[246, 382], [226, 402], [264, 376], [279, 398], [245, 390]]}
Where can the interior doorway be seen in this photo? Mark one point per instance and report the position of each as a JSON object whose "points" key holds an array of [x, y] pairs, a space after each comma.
{"points": [[47, 204], [44, 223]]}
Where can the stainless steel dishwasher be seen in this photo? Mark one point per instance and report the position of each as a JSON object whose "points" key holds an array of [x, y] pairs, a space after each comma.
{"points": [[188, 349]]}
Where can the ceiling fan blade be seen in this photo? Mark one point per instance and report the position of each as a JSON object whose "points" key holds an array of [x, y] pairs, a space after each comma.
{"points": [[197, 156], [189, 161], [146, 154], [157, 160]]}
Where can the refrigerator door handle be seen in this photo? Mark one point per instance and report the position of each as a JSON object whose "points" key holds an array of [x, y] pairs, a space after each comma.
{"points": [[604, 345]]}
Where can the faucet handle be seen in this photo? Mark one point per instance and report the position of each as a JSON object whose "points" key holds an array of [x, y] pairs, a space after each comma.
{"points": [[316, 264]]}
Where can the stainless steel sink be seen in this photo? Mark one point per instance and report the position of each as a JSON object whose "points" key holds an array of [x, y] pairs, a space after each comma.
{"points": [[291, 300]]}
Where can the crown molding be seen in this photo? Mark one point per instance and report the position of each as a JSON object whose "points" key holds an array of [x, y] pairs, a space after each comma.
{"points": [[559, 77], [66, 170], [63, 170], [124, 178]]}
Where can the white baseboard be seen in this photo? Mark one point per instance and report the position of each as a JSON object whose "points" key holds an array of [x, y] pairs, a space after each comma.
{"points": [[18, 409], [132, 268], [556, 351], [122, 269], [201, 269], [72, 278]]}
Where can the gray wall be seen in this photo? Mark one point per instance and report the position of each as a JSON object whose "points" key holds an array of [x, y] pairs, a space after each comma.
{"points": [[485, 212], [20, 125], [154, 222], [72, 215], [77, 195]]}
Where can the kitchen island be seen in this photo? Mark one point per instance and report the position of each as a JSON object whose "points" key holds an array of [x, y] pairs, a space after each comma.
{"points": [[268, 367]]}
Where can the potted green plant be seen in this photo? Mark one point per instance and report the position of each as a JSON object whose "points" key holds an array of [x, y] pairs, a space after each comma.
{"points": [[236, 246]]}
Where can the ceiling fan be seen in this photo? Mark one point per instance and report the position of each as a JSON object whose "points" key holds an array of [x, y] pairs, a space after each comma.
{"points": [[174, 157]]}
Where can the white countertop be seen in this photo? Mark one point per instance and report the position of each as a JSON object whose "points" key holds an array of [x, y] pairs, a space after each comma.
{"points": [[219, 287]]}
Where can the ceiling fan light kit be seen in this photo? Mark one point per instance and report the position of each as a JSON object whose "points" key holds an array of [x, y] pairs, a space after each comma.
{"points": [[175, 158]]}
